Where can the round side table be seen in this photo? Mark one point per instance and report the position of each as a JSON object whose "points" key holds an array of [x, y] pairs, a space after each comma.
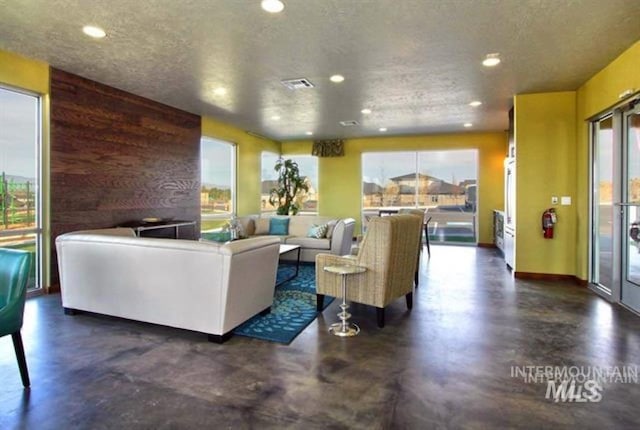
{"points": [[344, 328]]}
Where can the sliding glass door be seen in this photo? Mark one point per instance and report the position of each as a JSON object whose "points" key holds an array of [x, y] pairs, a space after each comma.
{"points": [[603, 209], [20, 137], [615, 211], [630, 209]]}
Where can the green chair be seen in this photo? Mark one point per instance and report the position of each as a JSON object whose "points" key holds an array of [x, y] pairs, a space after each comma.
{"points": [[14, 273]]}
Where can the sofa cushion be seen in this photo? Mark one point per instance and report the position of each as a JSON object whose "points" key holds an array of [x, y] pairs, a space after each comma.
{"points": [[331, 226], [247, 226], [279, 226], [309, 242], [300, 225], [262, 226], [318, 231]]}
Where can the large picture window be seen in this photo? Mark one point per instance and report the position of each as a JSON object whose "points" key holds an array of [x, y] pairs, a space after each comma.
{"points": [[267, 180], [308, 166], [20, 220], [444, 183], [217, 194]]}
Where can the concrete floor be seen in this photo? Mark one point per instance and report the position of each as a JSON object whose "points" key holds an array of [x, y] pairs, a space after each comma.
{"points": [[446, 364]]}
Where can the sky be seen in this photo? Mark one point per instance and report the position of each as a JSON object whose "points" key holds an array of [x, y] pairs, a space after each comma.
{"points": [[307, 164], [217, 159], [18, 133], [450, 166]]}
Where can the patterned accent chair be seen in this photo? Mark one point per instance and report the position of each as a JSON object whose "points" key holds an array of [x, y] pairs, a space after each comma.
{"points": [[389, 251], [420, 213]]}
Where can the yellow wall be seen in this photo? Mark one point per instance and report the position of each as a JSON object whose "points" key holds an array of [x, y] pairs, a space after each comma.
{"points": [[249, 154], [545, 167], [340, 178], [596, 95], [23, 73]]}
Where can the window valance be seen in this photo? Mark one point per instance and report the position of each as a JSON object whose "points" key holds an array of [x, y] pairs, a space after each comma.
{"points": [[328, 148]]}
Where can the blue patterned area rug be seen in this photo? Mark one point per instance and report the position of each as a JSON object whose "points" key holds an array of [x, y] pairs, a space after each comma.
{"points": [[293, 309]]}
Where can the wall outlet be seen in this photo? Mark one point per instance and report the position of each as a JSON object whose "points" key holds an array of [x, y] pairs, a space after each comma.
{"points": [[565, 200], [554, 200]]}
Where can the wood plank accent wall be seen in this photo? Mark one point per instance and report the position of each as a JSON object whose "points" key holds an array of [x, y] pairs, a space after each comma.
{"points": [[117, 157]]}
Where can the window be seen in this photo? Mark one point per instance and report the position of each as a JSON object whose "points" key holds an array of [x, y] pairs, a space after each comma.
{"points": [[308, 166], [20, 220], [217, 194], [267, 180], [442, 182]]}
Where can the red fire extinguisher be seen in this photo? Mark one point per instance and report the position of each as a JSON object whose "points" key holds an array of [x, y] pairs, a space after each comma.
{"points": [[549, 218]]}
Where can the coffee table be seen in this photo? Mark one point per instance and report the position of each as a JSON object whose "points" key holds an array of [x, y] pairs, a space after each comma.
{"points": [[285, 249]]}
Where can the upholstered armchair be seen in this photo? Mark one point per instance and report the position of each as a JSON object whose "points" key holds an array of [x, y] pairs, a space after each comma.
{"points": [[14, 273], [389, 251], [419, 213]]}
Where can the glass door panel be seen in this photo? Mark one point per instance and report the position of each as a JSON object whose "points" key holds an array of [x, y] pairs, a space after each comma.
{"points": [[603, 198], [631, 210], [448, 188], [19, 175]]}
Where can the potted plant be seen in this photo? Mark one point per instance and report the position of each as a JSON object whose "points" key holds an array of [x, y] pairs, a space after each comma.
{"points": [[290, 185]]}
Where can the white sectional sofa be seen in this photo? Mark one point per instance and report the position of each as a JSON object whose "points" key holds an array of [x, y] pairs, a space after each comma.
{"points": [[201, 286], [338, 241]]}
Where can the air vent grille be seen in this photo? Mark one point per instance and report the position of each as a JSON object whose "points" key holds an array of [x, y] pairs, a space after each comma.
{"points": [[349, 123], [297, 84]]}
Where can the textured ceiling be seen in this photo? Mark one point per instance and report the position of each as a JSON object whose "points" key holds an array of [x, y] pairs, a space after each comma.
{"points": [[414, 63]]}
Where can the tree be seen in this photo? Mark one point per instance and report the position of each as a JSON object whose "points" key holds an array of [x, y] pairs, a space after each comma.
{"points": [[290, 184]]}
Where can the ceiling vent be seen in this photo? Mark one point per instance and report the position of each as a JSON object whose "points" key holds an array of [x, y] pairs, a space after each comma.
{"points": [[349, 123], [297, 84]]}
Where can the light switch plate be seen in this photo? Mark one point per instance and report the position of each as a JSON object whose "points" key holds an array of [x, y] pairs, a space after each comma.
{"points": [[554, 200], [565, 200]]}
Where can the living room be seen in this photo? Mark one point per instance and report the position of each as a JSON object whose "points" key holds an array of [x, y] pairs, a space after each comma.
{"points": [[111, 154]]}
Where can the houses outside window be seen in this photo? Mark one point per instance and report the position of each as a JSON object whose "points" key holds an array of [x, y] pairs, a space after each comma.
{"points": [[217, 193], [443, 183]]}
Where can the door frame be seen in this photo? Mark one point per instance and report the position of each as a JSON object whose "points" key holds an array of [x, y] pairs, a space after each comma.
{"points": [[620, 170], [633, 108]]}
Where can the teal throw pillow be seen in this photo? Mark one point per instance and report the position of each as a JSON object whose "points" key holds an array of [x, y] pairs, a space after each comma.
{"points": [[318, 231], [216, 236], [279, 226]]}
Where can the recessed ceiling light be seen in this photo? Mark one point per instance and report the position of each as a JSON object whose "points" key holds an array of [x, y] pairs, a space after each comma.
{"points": [[491, 60], [220, 91], [309, 133], [275, 118], [382, 129], [366, 111], [93, 31], [272, 6], [336, 78], [468, 124], [475, 103]]}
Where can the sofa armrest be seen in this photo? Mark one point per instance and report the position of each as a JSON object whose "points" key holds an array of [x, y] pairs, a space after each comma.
{"points": [[342, 236], [245, 245]]}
